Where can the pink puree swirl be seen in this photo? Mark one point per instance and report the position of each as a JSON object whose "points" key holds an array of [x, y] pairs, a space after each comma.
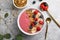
{"points": [[24, 21]]}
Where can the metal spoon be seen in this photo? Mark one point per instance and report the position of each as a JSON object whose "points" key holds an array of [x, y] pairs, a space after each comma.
{"points": [[44, 6], [48, 20]]}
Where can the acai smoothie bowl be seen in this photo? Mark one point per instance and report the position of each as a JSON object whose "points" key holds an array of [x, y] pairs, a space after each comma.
{"points": [[30, 21]]}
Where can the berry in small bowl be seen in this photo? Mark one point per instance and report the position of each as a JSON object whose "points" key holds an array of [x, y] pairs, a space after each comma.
{"points": [[44, 6]]}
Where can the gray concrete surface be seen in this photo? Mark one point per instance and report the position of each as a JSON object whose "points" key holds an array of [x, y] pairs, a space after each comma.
{"points": [[9, 24]]}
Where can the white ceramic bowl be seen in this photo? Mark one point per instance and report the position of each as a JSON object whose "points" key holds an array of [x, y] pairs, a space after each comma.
{"points": [[19, 7], [21, 28]]}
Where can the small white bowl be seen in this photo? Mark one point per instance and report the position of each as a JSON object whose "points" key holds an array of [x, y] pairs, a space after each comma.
{"points": [[21, 28], [19, 7]]}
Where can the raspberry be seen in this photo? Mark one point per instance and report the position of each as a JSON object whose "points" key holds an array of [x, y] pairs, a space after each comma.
{"points": [[36, 19], [38, 29], [36, 12], [32, 24], [42, 6], [46, 8], [41, 22]]}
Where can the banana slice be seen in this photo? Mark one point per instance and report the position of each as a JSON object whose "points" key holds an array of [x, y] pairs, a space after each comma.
{"points": [[38, 14], [33, 30]]}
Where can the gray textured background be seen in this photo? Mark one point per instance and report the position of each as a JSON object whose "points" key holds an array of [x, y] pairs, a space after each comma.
{"points": [[11, 27]]}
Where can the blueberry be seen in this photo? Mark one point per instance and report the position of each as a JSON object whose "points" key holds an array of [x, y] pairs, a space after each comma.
{"points": [[30, 27], [40, 0], [33, 16], [35, 23], [34, 2], [41, 16], [45, 4]]}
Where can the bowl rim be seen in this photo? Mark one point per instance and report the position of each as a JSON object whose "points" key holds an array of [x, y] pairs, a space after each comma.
{"points": [[19, 7], [19, 24]]}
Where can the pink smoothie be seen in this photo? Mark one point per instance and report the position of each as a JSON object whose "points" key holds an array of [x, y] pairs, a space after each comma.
{"points": [[24, 21]]}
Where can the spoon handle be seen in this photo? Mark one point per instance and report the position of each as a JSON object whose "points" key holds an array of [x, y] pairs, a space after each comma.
{"points": [[58, 24], [46, 31]]}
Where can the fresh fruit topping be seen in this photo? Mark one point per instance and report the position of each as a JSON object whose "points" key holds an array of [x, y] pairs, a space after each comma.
{"points": [[33, 30], [32, 24], [35, 23], [36, 12], [30, 27], [44, 6], [41, 22], [41, 16], [36, 19], [33, 16], [38, 29], [34, 2]]}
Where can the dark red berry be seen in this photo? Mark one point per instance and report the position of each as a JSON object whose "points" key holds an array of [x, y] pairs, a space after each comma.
{"points": [[42, 6], [36, 19], [46, 8], [41, 22], [36, 12], [38, 29], [32, 24]]}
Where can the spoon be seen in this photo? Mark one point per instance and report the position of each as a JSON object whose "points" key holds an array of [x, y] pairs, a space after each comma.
{"points": [[44, 7], [48, 20]]}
